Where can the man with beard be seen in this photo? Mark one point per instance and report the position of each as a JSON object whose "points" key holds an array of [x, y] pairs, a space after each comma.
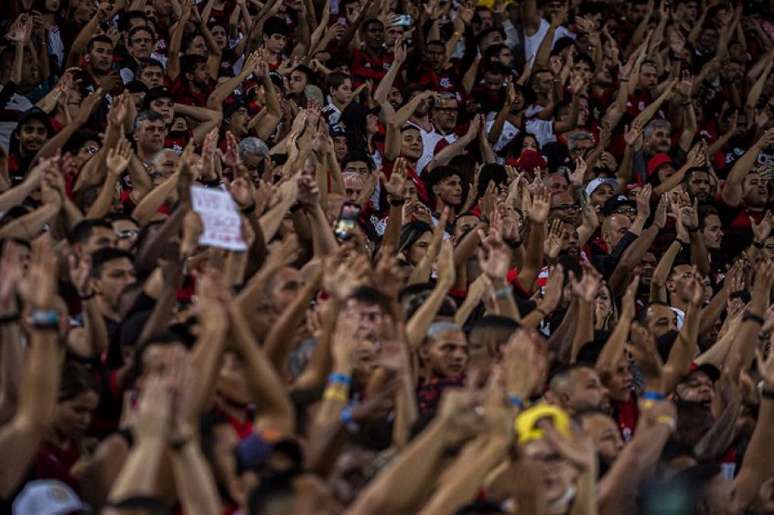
{"points": [[445, 356], [443, 118], [159, 100], [33, 131], [745, 196], [194, 85], [149, 134], [99, 58], [698, 184], [576, 388]]}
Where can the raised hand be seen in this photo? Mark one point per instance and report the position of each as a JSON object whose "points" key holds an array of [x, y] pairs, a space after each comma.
{"points": [[446, 269], [589, 285], [495, 257], [118, 157], [537, 204]]}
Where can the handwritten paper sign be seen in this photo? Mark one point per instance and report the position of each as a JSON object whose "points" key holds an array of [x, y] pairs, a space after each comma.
{"points": [[220, 218]]}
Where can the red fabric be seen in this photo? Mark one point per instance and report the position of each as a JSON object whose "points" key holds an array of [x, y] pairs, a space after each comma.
{"points": [[55, 463], [369, 67], [627, 415]]}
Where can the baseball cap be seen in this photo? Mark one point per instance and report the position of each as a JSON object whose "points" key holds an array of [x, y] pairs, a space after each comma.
{"points": [[615, 202], [657, 162], [48, 497], [711, 370], [592, 186], [155, 94]]}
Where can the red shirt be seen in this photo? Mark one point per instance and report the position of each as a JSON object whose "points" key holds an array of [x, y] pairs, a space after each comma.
{"points": [[183, 94], [627, 414], [55, 463], [366, 66]]}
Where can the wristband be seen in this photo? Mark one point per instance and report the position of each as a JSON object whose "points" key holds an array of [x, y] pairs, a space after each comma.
{"points": [[178, 443], [340, 379], [653, 396], [335, 393], [516, 401], [249, 209], [395, 201], [751, 316], [503, 293], [45, 319], [758, 244], [346, 415], [10, 319], [767, 393], [87, 296]]}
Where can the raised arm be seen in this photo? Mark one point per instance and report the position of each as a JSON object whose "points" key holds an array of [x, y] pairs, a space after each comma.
{"points": [[732, 189]]}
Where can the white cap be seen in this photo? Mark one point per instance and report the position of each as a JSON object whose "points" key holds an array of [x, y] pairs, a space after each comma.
{"points": [[592, 186], [47, 497]]}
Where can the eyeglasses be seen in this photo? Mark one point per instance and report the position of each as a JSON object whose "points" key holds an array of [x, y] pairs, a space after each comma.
{"points": [[626, 210]]}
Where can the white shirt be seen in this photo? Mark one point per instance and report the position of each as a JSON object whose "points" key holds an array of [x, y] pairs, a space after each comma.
{"points": [[532, 43], [430, 140]]}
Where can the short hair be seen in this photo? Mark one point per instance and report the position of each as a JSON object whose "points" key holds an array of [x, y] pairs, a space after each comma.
{"points": [[336, 79], [561, 375], [357, 155], [706, 210], [495, 68], [486, 32], [115, 217], [76, 379], [494, 322], [372, 296], [99, 38], [658, 123], [411, 232], [576, 137], [140, 29], [188, 62], [151, 116], [103, 256], [275, 25], [586, 58], [439, 175], [152, 62], [123, 21], [166, 338], [84, 229]]}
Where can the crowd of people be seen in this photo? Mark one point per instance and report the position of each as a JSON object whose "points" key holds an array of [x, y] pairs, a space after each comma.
{"points": [[503, 256]]}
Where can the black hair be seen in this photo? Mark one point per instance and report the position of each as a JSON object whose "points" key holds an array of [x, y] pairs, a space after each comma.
{"points": [[145, 28], [163, 339], [495, 322], [372, 296], [123, 21], [357, 155], [83, 229], [99, 38], [495, 68], [114, 217], [484, 33], [706, 210], [76, 379], [491, 172], [440, 174], [411, 232], [586, 58], [189, 62], [275, 25], [102, 256], [336, 79], [277, 486], [152, 62]]}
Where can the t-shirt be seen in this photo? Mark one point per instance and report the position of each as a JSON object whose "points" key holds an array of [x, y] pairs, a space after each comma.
{"points": [[532, 43]]}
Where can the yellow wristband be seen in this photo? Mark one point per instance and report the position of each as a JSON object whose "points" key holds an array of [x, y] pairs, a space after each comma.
{"points": [[336, 393], [667, 421]]}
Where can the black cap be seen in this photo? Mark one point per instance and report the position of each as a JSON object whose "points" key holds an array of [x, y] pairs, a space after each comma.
{"points": [[155, 94], [136, 86], [711, 370], [615, 202], [36, 113]]}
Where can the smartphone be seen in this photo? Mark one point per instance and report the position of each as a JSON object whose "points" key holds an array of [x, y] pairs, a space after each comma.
{"points": [[347, 222]]}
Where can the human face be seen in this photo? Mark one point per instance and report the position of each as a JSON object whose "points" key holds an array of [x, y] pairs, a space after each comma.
{"points": [[395, 98], [699, 186], [152, 76], [620, 382], [357, 167], [679, 281], [697, 387], [661, 320], [156, 358], [582, 148], [434, 56], [52, 6], [101, 56], [374, 35], [198, 47], [648, 76], [614, 227], [600, 195], [391, 35], [446, 354], [543, 82], [582, 70], [340, 147], [275, 43], [445, 114], [238, 122], [165, 108], [369, 317], [449, 190], [754, 191], [411, 144], [101, 237], [553, 471], [603, 304], [712, 232], [150, 135], [141, 45], [219, 35], [231, 380], [419, 248], [564, 207], [126, 233], [585, 391], [493, 83], [298, 82], [115, 277], [353, 186], [659, 140], [163, 166], [73, 416], [605, 434], [32, 135], [286, 285], [343, 94]]}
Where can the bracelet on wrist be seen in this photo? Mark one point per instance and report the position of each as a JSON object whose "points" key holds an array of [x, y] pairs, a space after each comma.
{"points": [[667, 421], [395, 201], [336, 378], [753, 317], [10, 319], [652, 396], [346, 415], [767, 392], [44, 319], [504, 293], [516, 401], [87, 296]]}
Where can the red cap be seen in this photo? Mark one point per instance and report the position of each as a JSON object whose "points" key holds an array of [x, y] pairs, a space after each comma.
{"points": [[657, 161], [529, 160]]}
